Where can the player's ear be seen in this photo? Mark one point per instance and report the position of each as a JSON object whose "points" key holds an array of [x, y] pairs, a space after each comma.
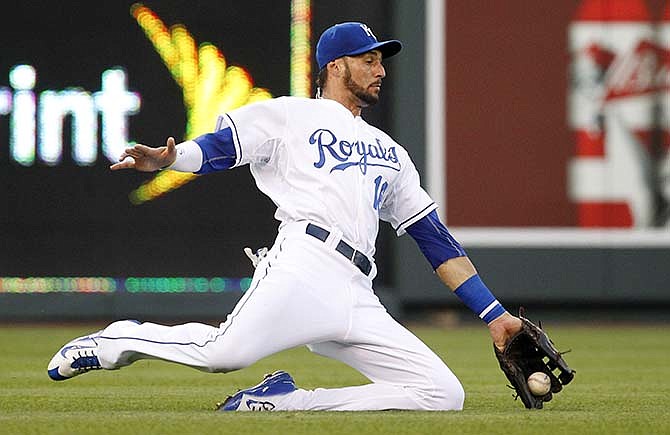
{"points": [[335, 67]]}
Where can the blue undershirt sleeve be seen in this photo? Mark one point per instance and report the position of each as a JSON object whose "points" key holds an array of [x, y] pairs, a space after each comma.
{"points": [[218, 151], [434, 240]]}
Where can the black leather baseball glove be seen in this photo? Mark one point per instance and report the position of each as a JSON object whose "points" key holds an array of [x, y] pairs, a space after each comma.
{"points": [[530, 351]]}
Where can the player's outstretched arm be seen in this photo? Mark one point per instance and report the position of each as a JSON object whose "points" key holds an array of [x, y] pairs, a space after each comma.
{"points": [[520, 347], [457, 272], [147, 159]]}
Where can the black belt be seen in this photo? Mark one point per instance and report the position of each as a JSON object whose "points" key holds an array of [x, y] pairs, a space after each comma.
{"points": [[356, 257]]}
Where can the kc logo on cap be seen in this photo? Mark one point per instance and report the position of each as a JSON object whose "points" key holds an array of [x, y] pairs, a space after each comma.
{"points": [[351, 39], [368, 30]]}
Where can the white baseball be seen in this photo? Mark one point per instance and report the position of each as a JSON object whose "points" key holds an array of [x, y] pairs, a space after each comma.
{"points": [[539, 383], [129, 159]]}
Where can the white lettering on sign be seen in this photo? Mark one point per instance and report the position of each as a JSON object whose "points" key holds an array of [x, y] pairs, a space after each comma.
{"points": [[113, 102]]}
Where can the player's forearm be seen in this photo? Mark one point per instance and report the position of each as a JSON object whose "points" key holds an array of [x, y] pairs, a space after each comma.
{"points": [[460, 275], [453, 267], [455, 271]]}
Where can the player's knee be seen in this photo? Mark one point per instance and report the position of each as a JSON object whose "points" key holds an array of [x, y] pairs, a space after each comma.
{"points": [[447, 394], [225, 365], [224, 361], [453, 396]]}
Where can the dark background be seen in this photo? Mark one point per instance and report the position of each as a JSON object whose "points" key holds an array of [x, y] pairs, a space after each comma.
{"points": [[69, 220]]}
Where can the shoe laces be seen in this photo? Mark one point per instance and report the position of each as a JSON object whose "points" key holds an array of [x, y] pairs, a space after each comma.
{"points": [[86, 360]]}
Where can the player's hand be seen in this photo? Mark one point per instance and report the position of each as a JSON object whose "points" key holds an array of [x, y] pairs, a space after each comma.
{"points": [[503, 328], [147, 159]]}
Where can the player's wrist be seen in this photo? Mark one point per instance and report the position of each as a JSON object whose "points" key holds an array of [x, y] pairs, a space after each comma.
{"points": [[476, 296], [188, 157]]}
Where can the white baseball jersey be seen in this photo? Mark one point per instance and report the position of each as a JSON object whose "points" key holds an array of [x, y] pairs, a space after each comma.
{"points": [[319, 163], [321, 166]]}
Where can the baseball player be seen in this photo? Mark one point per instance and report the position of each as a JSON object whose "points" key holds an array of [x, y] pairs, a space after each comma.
{"points": [[332, 177]]}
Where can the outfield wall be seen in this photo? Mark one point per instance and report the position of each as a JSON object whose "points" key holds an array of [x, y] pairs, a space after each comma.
{"points": [[554, 266], [567, 277]]}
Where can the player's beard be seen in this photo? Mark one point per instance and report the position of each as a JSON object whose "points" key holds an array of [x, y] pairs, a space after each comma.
{"points": [[360, 92]]}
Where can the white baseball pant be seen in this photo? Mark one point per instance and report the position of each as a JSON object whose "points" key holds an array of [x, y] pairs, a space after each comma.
{"points": [[303, 293]]}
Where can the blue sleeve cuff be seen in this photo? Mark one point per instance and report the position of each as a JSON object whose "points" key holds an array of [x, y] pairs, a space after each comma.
{"points": [[476, 296]]}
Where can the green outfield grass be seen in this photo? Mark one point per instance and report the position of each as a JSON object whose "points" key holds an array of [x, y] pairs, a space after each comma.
{"points": [[622, 387]]}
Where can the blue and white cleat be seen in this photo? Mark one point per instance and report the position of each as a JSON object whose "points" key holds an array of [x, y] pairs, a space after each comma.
{"points": [[76, 357], [260, 397]]}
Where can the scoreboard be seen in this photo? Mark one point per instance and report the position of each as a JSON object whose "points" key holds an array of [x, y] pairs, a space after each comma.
{"points": [[78, 82]]}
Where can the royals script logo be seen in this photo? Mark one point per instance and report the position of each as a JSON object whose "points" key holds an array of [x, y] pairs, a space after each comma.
{"points": [[351, 154]]}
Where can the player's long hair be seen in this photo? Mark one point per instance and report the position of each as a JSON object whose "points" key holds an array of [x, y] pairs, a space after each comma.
{"points": [[321, 79]]}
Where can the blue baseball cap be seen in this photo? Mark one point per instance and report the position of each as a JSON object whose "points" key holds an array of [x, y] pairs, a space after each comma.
{"points": [[351, 39]]}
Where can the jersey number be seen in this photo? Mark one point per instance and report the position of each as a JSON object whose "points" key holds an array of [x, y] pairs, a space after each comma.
{"points": [[379, 191]]}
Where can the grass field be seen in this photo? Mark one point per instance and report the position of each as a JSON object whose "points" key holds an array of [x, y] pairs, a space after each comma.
{"points": [[622, 387]]}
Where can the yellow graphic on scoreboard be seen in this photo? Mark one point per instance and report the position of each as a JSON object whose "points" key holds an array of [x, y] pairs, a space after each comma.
{"points": [[209, 86]]}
